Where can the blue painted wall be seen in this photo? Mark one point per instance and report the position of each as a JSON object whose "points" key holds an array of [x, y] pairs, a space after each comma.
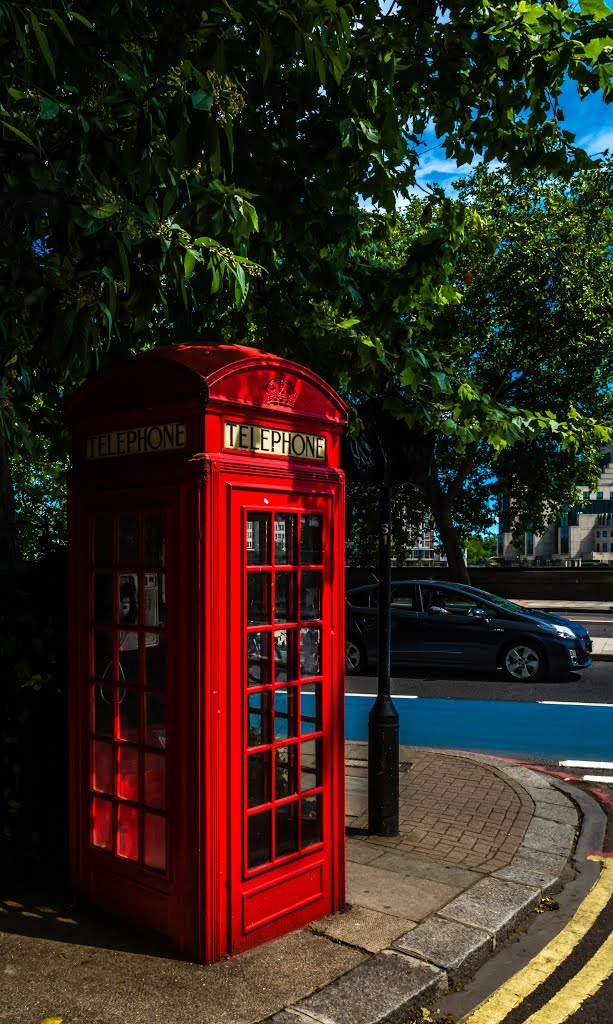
{"points": [[495, 727]]}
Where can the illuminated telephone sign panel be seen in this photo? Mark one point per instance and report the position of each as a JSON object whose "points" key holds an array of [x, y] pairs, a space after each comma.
{"points": [[206, 633]]}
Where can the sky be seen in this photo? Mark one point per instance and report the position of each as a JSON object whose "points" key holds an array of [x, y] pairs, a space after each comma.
{"points": [[590, 119]]}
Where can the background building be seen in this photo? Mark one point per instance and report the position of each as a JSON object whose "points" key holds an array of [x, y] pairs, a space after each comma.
{"points": [[583, 534]]}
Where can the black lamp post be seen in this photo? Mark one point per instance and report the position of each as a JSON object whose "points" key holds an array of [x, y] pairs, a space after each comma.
{"points": [[383, 725], [386, 452]]}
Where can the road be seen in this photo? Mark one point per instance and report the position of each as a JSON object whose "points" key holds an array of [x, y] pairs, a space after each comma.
{"points": [[595, 685]]}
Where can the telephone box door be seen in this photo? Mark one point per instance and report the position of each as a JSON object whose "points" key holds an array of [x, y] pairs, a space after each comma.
{"points": [[280, 662]]}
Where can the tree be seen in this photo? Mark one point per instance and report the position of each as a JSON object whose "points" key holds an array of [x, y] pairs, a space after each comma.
{"points": [[170, 169], [480, 547], [533, 330]]}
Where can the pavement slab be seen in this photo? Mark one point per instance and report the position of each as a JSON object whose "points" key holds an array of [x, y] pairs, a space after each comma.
{"points": [[397, 895], [455, 947], [366, 929], [493, 905], [544, 834], [385, 989]]}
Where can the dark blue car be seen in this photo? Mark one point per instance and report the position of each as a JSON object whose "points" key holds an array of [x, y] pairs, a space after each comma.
{"points": [[453, 626]]}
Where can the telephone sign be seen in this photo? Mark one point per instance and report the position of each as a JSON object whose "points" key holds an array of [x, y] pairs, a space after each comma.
{"points": [[206, 683]]}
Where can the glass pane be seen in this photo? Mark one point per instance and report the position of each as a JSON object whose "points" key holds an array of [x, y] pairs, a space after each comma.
{"points": [[286, 774], [258, 718], [310, 824], [285, 538], [286, 829], [127, 605], [103, 598], [310, 709], [128, 715], [128, 656], [155, 841], [286, 713], [103, 654], [103, 710], [102, 767], [258, 598], [310, 540], [310, 651], [258, 538], [285, 596], [310, 764], [127, 773], [153, 539], [128, 540], [102, 823], [258, 778], [155, 661], [285, 655], [259, 842], [154, 603], [155, 780], [127, 833], [103, 540], [258, 658], [155, 720], [310, 595]]}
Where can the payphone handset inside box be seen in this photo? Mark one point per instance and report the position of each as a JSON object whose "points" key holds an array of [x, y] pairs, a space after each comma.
{"points": [[128, 609]]}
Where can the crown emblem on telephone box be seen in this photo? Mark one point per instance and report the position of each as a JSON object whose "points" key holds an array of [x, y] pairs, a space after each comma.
{"points": [[281, 391]]}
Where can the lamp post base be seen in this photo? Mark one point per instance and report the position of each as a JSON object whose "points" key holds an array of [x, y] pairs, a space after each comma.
{"points": [[383, 768]]}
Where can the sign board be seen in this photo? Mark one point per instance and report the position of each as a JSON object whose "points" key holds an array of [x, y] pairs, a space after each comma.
{"points": [[248, 437], [159, 437]]}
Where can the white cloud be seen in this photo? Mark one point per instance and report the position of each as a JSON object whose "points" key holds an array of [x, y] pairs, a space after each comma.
{"points": [[595, 142]]}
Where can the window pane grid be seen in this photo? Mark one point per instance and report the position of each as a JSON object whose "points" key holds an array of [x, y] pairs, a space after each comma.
{"points": [[128, 674], [284, 628]]}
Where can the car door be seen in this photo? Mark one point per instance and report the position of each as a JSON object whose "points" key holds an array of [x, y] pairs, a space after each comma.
{"points": [[462, 636], [406, 617]]}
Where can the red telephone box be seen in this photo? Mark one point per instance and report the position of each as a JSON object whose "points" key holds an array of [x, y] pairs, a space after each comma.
{"points": [[207, 661]]}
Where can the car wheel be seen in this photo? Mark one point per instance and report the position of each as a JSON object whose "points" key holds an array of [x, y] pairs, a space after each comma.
{"points": [[523, 662], [355, 660]]}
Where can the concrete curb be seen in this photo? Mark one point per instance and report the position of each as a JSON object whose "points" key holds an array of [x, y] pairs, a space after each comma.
{"points": [[450, 945]]}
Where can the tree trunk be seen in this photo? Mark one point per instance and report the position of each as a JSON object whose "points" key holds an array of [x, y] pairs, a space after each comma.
{"points": [[458, 570], [9, 548]]}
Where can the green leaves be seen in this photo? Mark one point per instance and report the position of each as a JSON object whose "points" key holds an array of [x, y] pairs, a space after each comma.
{"points": [[596, 10]]}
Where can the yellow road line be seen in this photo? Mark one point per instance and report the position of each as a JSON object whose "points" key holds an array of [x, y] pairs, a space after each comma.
{"points": [[500, 1003], [568, 999]]}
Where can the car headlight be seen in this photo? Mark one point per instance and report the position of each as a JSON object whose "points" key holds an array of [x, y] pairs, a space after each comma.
{"points": [[564, 631]]}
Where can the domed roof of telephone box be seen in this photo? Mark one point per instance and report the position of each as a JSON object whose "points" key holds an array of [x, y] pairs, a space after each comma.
{"points": [[210, 373]]}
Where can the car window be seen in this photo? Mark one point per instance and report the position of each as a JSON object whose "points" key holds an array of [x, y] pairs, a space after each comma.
{"points": [[405, 596], [367, 598], [448, 600], [460, 605]]}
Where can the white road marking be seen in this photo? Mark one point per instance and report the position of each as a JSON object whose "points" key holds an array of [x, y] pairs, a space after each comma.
{"points": [[599, 778], [395, 696], [575, 703], [586, 764]]}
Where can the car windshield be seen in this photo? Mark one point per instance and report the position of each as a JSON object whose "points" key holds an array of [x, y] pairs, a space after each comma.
{"points": [[500, 602]]}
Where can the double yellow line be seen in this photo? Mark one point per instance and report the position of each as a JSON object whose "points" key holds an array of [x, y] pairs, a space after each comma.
{"points": [[585, 983]]}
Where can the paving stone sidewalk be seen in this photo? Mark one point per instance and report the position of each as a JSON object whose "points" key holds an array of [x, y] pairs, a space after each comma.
{"points": [[481, 841]]}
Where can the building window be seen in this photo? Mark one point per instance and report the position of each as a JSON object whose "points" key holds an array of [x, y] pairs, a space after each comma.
{"points": [[564, 535], [610, 495], [605, 533], [598, 547], [529, 542], [598, 533], [586, 495], [605, 548], [598, 495]]}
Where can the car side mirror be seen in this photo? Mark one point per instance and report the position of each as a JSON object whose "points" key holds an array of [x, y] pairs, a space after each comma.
{"points": [[479, 613]]}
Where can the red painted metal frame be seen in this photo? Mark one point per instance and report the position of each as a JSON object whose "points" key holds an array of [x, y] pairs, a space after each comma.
{"points": [[197, 904]]}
